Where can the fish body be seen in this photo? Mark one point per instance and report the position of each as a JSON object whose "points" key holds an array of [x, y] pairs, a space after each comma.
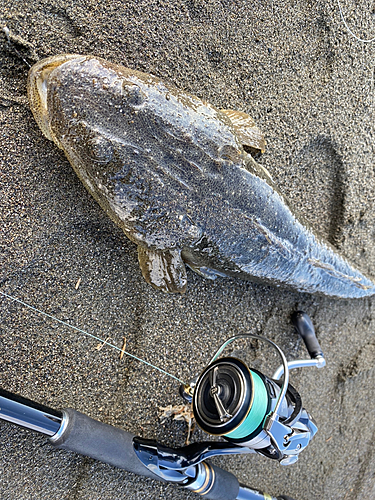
{"points": [[175, 174]]}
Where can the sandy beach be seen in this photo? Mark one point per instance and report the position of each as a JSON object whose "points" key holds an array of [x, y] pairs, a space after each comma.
{"points": [[309, 84]]}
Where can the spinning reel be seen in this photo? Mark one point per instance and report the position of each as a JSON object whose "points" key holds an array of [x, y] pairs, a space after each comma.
{"points": [[249, 409], [252, 412]]}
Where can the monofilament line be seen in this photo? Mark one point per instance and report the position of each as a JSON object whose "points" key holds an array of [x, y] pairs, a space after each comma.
{"points": [[32, 308], [350, 31]]}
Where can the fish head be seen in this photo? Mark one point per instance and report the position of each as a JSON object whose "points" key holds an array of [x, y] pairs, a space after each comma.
{"points": [[95, 112], [89, 108], [78, 100]]}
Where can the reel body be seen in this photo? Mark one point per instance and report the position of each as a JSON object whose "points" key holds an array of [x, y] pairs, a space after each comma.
{"points": [[233, 401]]}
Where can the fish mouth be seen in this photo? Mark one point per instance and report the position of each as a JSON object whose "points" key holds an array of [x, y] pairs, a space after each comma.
{"points": [[37, 88]]}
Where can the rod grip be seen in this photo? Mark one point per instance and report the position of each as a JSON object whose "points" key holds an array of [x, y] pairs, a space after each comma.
{"points": [[114, 446], [100, 441], [303, 325]]}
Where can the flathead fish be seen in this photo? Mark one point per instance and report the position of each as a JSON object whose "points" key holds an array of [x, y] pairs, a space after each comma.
{"points": [[176, 175]]}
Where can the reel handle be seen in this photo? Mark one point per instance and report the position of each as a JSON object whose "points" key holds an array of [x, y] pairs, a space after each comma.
{"points": [[303, 325]]}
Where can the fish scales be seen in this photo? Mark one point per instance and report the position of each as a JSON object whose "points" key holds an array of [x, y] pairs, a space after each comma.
{"points": [[175, 174]]}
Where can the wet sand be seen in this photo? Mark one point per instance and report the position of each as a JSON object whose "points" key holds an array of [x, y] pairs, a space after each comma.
{"points": [[310, 87]]}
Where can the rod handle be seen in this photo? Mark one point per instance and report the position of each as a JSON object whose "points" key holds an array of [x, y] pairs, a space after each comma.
{"points": [[303, 325], [89, 437], [86, 436]]}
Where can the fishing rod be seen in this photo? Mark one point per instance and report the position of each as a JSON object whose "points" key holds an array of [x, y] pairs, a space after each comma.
{"points": [[250, 411]]}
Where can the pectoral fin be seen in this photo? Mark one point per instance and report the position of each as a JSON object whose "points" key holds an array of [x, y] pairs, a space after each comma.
{"points": [[163, 269], [246, 130]]}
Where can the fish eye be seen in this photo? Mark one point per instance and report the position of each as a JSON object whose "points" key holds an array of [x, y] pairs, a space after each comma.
{"points": [[133, 94], [99, 149]]}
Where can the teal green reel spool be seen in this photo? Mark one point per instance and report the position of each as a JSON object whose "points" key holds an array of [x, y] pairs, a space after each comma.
{"points": [[231, 400], [257, 412]]}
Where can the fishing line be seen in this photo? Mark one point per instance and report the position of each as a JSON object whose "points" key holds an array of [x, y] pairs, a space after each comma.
{"points": [[350, 31], [10, 297]]}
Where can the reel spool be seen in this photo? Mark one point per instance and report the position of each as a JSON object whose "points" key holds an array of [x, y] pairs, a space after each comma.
{"points": [[231, 400]]}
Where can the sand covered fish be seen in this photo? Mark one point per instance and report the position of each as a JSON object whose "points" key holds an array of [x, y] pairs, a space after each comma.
{"points": [[175, 174]]}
